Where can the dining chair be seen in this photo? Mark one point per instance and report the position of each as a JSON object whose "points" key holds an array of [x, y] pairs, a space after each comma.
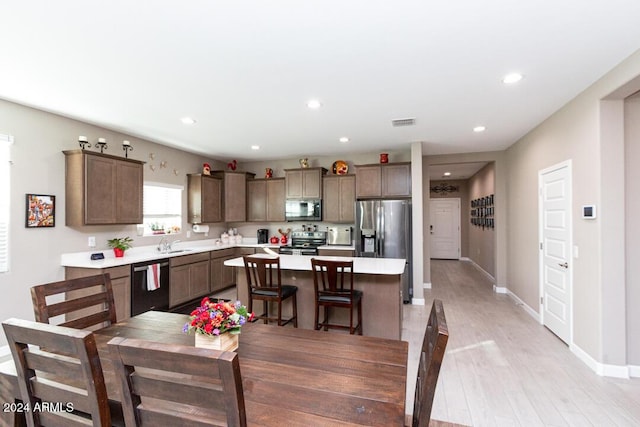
{"points": [[59, 374], [85, 302], [333, 286], [433, 346], [165, 384], [264, 282]]}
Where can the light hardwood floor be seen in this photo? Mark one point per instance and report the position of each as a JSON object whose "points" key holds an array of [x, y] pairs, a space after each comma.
{"points": [[502, 368]]}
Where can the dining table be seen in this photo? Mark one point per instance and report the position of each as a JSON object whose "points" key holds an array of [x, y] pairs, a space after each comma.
{"points": [[290, 376]]}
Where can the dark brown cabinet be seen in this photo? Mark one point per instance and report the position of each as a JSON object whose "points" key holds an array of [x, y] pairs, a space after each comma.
{"points": [[304, 183], [389, 180], [204, 199], [234, 195], [339, 198], [102, 189], [221, 275], [265, 199], [188, 278]]}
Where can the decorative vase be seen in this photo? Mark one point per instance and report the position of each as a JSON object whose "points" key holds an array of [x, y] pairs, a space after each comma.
{"points": [[384, 158], [224, 342], [119, 253]]}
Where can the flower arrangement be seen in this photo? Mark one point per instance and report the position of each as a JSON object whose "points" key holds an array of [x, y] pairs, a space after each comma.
{"points": [[215, 318]]}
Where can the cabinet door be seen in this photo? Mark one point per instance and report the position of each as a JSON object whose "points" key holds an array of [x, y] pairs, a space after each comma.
{"points": [[235, 196], [275, 199], [312, 184], [369, 181], [331, 199], [129, 193], [228, 273], [122, 297], [100, 196], [293, 179], [396, 180], [257, 191], [199, 279], [211, 199], [347, 199], [179, 278]]}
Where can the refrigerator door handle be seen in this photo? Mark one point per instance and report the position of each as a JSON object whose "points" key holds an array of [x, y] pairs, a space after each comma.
{"points": [[381, 231]]}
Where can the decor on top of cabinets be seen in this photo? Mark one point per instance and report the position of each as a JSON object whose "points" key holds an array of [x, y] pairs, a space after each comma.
{"points": [[340, 167], [119, 245], [304, 162], [384, 157], [268, 173], [206, 169], [126, 146], [84, 141], [232, 165], [102, 145], [40, 211]]}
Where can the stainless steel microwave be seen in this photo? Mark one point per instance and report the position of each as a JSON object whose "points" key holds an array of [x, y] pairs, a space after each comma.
{"points": [[303, 210]]}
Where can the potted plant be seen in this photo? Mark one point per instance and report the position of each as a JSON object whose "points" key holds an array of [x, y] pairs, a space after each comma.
{"points": [[119, 245]]}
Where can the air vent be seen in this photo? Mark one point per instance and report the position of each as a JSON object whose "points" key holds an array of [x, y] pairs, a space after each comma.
{"points": [[403, 122]]}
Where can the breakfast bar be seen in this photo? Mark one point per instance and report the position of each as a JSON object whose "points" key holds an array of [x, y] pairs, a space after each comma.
{"points": [[379, 279]]}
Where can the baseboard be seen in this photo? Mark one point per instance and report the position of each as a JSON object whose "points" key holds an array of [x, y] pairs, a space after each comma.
{"points": [[417, 301], [524, 306], [482, 270], [602, 369], [426, 285], [500, 289], [634, 371]]}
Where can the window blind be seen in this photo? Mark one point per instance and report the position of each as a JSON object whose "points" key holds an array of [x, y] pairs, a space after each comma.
{"points": [[162, 208], [5, 197]]}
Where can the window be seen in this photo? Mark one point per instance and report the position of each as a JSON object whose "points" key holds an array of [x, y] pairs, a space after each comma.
{"points": [[162, 209], [5, 197]]}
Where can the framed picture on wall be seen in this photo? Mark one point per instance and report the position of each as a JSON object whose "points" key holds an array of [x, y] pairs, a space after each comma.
{"points": [[40, 211]]}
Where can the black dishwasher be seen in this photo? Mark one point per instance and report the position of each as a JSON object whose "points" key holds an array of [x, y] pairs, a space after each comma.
{"points": [[152, 294]]}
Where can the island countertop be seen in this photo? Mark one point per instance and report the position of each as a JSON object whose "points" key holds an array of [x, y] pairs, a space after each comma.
{"points": [[378, 266]]}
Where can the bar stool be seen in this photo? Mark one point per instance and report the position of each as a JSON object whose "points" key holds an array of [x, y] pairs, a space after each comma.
{"points": [[333, 285], [265, 284]]}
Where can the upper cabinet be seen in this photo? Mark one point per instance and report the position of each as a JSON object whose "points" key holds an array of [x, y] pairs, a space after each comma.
{"points": [[102, 189], [339, 198], [304, 183], [234, 194], [265, 199], [383, 180], [204, 199]]}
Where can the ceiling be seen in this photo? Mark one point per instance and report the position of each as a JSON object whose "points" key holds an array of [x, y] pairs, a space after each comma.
{"points": [[456, 171], [245, 70]]}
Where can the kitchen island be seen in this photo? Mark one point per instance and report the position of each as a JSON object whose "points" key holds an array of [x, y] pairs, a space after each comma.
{"points": [[379, 279]]}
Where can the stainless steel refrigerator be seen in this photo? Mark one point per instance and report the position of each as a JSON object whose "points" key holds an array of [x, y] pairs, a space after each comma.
{"points": [[383, 230]]}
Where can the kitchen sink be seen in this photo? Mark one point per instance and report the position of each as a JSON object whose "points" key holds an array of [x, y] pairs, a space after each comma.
{"points": [[177, 251]]}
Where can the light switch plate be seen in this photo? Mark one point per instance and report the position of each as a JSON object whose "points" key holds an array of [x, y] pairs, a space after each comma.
{"points": [[92, 241]]}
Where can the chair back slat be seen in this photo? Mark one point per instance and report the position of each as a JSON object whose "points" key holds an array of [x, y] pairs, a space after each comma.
{"points": [[332, 277], [180, 385], [85, 302], [263, 273], [82, 386], [430, 360]]}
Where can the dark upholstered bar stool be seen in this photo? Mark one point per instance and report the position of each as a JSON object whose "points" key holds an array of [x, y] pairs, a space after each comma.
{"points": [[434, 344], [62, 376], [86, 302], [333, 284], [265, 284]]}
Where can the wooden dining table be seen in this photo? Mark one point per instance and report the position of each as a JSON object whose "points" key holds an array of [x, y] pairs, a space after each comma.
{"points": [[290, 377]]}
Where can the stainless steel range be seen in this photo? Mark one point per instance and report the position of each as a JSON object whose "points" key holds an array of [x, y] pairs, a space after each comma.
{"points": [[305, 243]]}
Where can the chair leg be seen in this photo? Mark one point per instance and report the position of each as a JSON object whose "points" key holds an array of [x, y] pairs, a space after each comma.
{"points": [[326, 318], [265, 311], [295, 311], [280, 312], [360, 315], [316, 326], [351, 330]]}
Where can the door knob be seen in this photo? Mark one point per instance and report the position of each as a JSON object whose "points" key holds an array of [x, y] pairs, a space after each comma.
{"points": [[565, 265]]}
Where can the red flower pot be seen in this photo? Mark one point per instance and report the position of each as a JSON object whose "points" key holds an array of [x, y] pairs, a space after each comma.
{"points": [[119, 253]]}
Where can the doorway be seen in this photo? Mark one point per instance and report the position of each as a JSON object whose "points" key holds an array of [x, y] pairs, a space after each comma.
{"points": [[444, 228], [555, 225]]}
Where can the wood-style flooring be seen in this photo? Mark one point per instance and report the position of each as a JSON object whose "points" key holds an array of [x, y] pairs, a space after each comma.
{"points": [[502, 368]]}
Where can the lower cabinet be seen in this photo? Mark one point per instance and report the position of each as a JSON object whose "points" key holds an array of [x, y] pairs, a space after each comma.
{"points": [[188, 278], [337, 252], [120, 282], [221, 275]]}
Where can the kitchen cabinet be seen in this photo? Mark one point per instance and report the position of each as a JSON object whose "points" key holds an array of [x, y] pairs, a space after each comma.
{"points": [[234, 195], [304, 183], [339, 198], [387, 181], [221, 275], [120, 282], [188, 278], [266, 199], [102, 189], [204, 199]]}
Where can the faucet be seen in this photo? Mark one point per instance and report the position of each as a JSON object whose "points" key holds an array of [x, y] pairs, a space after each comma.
{"points": [[165, 245]]}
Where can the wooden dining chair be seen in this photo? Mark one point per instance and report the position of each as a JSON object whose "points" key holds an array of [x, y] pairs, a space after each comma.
{"points": [[264, 282], [433, 346], [170, 385], [85, 302], [333, 285], [59, 374]]}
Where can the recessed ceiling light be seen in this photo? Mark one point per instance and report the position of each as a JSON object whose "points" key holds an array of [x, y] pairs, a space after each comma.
{"points": [[255, 147], [512, 78], [314, 104], [479, 129], [188, 120], [344, 139], [447, 174]]}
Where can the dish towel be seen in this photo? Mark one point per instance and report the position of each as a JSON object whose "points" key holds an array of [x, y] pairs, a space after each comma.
{"points": [[153, 277]]}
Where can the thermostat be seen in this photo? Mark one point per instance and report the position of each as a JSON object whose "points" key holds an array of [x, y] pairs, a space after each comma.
{"points": [[589, 212]]}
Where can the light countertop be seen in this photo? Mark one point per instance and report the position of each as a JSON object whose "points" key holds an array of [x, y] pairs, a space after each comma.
{"points": [[382, 266], [338, 247]]}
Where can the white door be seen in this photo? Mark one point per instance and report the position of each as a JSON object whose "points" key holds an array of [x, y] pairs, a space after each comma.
{"points": [[555, 224], [445, 228]]}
